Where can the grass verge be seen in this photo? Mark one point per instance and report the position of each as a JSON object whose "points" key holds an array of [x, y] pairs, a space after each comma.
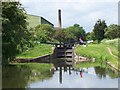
{"points": [[99, 52], [36, 51]]}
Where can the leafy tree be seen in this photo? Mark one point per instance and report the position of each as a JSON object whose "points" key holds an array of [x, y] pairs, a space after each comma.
{"points": [[44, 33], [112, 31], [15, 36], [76, 32], [99, 29], [62, 36], [90, 36], [70, 34]]}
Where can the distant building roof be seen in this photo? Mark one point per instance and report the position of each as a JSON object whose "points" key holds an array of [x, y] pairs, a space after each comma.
{"points": [[35, 20], [47, 21]]}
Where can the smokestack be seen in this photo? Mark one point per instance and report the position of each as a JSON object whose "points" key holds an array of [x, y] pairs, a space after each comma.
{"points": [[59, 19]]}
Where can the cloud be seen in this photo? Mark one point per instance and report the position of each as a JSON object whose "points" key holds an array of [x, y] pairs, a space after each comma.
{"points": [[78, 11]]}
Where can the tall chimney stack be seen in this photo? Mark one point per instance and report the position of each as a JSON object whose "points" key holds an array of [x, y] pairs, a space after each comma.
{"points": [[59, 19]]}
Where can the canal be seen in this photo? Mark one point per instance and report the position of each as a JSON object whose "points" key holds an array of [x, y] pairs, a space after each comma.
{"points": [[61, 77], [92, 77]]}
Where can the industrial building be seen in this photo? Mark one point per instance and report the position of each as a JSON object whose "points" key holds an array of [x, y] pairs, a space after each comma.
{"points": [[34, 20]]}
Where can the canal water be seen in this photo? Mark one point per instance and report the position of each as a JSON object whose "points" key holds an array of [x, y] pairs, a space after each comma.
{"points": [[93, 77], [61, 77]]}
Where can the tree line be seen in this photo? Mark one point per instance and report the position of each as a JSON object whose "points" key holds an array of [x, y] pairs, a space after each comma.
{"points": [[102, 31], [45, 33], [17, 38]]}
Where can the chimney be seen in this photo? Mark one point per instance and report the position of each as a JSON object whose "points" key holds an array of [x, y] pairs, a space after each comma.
{"points": [[59, 19]]}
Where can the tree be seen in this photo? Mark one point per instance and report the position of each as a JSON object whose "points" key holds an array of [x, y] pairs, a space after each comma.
{"points": [[99, 29], [44, 33], [112, 31], [90, 36], [76, 32], [70, 34], [62, 36], [15, 36]]}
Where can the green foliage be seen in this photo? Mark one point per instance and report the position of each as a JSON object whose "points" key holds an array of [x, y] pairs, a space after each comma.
{"points": [[112, 31], [44, 33], [77, 31], [90, 36], [15, 35], [62, 36], [99, 29], [36, 51], [70, 34]]}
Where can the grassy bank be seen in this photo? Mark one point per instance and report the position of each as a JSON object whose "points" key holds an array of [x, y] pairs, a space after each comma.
{"points": [[112, 44], [36, 51], [99, 52]]}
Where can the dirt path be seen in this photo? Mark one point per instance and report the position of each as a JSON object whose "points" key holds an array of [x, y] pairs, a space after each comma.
{"points": [[109, 50], [109, 63]]}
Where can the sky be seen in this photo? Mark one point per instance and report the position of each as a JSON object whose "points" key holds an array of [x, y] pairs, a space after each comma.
{"points": [[82, 12]]}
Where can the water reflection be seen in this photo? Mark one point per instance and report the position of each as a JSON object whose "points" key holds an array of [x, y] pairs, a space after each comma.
{"points": [[100, 72], [61, 69], [81, 74], [69, 77], [14, 77], [60, 76], [20, 77]]}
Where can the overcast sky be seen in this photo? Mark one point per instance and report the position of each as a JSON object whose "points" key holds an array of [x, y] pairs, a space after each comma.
{"points": [[83, 12]]}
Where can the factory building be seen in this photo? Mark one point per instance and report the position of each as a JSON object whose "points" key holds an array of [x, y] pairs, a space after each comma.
{"points": [[34, 20]]}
